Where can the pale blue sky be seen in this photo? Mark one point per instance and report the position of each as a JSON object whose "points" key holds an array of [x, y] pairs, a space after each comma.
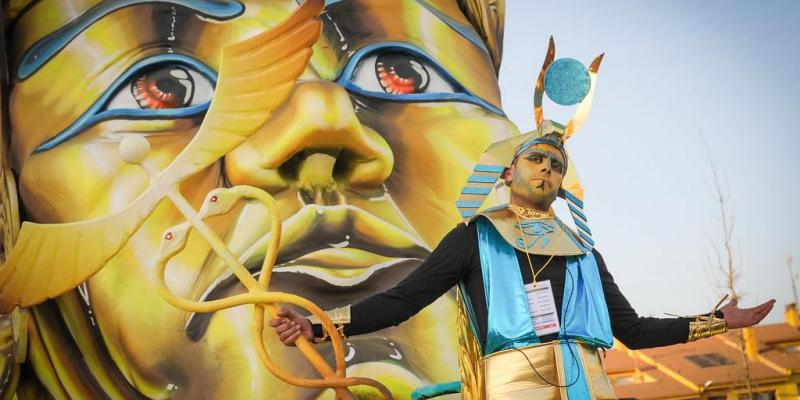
{"points": [[673, 70]]}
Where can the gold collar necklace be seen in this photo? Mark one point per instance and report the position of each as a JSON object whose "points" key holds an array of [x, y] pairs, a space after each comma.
{"points": [[527, 212]]}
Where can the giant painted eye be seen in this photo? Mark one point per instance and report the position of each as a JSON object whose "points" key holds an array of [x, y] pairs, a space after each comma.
{"points": [[398, 73], [401, 74], [163, 87]]}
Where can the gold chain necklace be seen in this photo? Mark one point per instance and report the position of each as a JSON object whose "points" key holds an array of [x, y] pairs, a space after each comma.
{"points": [[527, 212], [525, 243]]}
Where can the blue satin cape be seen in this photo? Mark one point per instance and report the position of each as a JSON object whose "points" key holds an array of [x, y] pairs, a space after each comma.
{"points": [[584, 314]]}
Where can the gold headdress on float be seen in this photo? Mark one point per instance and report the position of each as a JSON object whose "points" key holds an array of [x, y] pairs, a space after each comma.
{"points": [[567, 82]]}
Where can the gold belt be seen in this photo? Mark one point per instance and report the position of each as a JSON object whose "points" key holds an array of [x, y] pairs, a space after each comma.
{"points": [[508, 374]]}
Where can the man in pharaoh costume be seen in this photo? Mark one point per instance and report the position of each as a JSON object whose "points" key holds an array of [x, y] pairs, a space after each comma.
{"points": [[537, 303], [356, 144]]}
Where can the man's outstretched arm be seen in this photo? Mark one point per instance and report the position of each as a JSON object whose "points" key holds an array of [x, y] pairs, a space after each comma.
{"points": [[442, 270], [644, 332]]}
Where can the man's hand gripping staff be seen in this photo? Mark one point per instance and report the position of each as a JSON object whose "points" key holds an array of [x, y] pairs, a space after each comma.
{"points": [[220, 201]]}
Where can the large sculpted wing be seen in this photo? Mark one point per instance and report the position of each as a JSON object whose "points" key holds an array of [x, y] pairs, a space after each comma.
{"points": [[256, 75], [50, 259]]}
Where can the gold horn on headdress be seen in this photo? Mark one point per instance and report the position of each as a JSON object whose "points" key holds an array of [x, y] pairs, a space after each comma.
{"points": [[538, 93]]}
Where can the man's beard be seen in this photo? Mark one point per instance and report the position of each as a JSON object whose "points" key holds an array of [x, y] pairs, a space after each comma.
{"points": [[540, 195]]}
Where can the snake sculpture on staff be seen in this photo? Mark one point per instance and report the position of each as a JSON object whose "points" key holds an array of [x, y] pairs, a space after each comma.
{"points": [[255, 77]]}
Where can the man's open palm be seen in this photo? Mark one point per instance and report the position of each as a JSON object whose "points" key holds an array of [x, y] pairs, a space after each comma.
{"points": [[736, 317]]}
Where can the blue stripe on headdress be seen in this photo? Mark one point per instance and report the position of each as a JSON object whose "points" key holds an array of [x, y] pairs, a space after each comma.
{"points": [[571, 197], [482, 179], [468, 204], [576, 211], [582, 225], [587, 239], [498, 169], [483, 191]]}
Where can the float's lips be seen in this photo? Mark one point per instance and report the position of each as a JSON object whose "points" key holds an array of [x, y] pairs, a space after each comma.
{"points": [[379, 358], [331, 255]]}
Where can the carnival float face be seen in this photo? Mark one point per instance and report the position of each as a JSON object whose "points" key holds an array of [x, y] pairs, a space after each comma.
{"points": [[365, 158]]}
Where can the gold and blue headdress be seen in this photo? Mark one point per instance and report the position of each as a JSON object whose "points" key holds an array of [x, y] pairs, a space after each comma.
{"points": [[567, 82]]}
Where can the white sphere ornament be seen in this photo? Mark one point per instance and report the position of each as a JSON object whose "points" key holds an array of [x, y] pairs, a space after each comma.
{"points": [[134, 149]]}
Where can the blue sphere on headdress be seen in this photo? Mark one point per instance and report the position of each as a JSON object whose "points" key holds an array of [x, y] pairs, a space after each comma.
{"points": [[566, 81]]}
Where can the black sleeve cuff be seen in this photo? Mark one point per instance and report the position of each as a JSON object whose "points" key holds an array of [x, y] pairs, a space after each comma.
{"points": [[317, 329]]}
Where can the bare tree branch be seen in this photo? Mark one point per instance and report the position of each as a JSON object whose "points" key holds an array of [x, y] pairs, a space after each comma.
{"points": [[725, 257]]}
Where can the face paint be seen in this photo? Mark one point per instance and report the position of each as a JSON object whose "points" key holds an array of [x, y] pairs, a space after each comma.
{"points": [[536, 177], [537, 156]]}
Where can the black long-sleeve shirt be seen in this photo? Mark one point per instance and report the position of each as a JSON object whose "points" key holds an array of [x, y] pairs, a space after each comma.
{"points": [[457, 258]]}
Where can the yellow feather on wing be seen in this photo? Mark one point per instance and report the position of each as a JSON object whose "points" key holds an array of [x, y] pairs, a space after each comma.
{"points": [[50, 259], [256, 75]]}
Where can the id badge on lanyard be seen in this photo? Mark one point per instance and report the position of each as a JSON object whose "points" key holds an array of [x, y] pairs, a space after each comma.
{"points": [[544, 314]]}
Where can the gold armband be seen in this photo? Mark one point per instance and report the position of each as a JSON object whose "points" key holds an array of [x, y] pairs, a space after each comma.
{"points": [[324, 339], [327, 338], [706, 326], [340, 316]]}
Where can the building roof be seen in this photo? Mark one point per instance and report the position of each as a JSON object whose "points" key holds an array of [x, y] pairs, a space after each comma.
{"points": [[686, 370]]}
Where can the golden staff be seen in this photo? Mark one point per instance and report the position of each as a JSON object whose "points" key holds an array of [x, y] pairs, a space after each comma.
{"points": [[134, 150]]}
